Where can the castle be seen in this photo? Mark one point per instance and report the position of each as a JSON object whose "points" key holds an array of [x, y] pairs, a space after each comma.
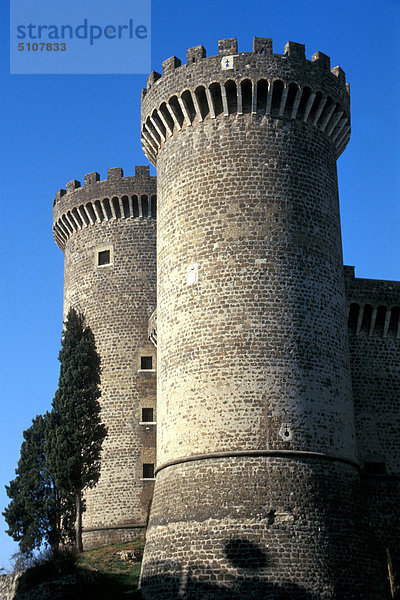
{"points": [[278, 414]]}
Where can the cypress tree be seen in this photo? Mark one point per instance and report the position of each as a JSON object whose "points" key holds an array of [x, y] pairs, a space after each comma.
{"points": [[33, 515], [75, 434]]}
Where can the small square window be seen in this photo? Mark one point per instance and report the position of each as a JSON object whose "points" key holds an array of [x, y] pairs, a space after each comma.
{"points": [[148, 470], [146, 362], [103, 258], [147, 415]]}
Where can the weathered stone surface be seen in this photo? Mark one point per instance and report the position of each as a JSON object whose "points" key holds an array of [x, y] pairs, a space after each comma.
{"points": [[9, 585], [374, 342]]}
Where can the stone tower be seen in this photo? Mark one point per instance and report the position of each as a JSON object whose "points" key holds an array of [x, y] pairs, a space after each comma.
{"points": [[107, 230], [257, 483]]}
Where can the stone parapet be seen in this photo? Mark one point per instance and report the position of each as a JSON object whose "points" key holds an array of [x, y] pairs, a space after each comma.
{"points": [[259, 83], [116, 197]]}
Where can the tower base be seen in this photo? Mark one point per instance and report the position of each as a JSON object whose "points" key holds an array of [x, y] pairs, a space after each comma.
{"points": [[280, 527]]}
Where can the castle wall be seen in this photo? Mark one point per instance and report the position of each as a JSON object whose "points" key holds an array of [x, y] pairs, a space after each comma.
{"points": [[260, 527], [117, 299], [374, 342], [253, 370]]}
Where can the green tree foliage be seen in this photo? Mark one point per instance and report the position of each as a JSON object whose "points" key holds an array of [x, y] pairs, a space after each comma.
{"points": [[33, 515], [75, 434]]}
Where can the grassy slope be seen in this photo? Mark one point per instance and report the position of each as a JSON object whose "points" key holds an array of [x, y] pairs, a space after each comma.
{"points": [[99, 574], [113, 578]]}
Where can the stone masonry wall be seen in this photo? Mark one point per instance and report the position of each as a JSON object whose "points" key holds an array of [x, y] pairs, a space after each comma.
{"points": [[260, 528], [259, 342], [9, 585], [374, 339]]}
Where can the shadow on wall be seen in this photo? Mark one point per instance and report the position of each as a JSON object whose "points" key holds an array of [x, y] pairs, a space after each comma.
{"points": [[199, 582]]}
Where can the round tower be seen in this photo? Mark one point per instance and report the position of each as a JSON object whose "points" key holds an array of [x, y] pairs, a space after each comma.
{"points": [[257, 479], [107, 231]]}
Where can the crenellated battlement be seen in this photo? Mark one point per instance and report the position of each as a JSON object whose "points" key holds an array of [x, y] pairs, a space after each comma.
{"points": [[97, 201], [259, 83]]}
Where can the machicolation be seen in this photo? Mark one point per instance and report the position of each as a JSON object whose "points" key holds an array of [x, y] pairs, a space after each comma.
{"points": [[259, 83]]}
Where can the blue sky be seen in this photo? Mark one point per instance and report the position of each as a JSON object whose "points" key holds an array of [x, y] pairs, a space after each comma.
{"points": [[58, 127]]}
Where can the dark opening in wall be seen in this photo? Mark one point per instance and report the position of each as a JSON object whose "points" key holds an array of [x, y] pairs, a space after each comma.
{"points": [[303, 103], [147, 415], [325, 111], [153, 130], [200, 93], [176, 109], [125, 206], [146, 362], [106, 204], [262, 95], [366, 318], [315, 106], [380, 319], [103, 258], [215, 91], [290, 100], [135, 206], [67, 224], [90, 209], [231, 96], [375, 468], [277, 91], [148, 470], [394, 320], [353, 316], [83, 214], [117, 209], [145, 205], [154, 206], [159, 123], [167, 116], [78, 217], [188, 104], [247, 95]]}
